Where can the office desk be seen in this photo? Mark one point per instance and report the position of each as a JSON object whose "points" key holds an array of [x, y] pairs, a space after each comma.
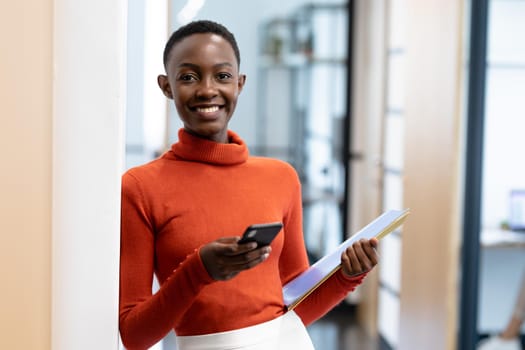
{"points": [[502, 262], [495, 238]]}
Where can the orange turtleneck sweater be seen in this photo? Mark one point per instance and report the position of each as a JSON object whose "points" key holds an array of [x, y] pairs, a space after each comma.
{"points": [[196, 193]]}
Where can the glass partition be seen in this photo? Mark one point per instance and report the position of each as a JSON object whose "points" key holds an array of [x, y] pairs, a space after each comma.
{"points": [[502, 256]]}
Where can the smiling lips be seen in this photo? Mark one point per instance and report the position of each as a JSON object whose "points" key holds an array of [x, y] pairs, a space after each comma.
{"points": [[210, 109]]}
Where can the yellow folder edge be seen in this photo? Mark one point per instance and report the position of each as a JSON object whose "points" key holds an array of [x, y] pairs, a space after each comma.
{"points": [[395, 224]]}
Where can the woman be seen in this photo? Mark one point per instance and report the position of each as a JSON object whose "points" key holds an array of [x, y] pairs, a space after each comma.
{"points": [[182, 215]]}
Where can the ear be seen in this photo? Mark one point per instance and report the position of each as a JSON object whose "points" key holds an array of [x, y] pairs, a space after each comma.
{"points": [[164, 85], [241, 82]]}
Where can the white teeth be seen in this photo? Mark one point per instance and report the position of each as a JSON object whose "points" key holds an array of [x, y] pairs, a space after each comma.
{"points": [[207, 109]]}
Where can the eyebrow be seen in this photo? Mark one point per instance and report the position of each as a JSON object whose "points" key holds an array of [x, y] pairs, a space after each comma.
{"points": [[194, 66]]}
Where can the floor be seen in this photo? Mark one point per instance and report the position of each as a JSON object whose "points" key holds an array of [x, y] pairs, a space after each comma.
{"points": [[338, 330]]}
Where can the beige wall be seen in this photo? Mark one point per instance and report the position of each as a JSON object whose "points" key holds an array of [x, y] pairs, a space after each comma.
{"points": [[25, 176], [433, 145], [429, 289]]}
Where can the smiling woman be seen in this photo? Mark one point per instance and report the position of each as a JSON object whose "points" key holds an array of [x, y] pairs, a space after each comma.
{"points": [[183, 213]]}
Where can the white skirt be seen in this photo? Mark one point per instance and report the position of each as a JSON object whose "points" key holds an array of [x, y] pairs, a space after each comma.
{"points": [[285, 332]]}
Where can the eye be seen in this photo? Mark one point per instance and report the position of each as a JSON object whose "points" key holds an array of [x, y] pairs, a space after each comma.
{"points": [[224, 76], [187, 77]]}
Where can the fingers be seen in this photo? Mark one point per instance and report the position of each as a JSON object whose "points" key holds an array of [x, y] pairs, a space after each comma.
{"points": [[231, 265], [225, 259], [359, 258], [228, 239], [229, 246], [249, 259]]}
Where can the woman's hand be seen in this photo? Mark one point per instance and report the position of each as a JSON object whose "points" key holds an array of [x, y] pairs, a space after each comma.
{"points": [[360, 257], [224, 258]]}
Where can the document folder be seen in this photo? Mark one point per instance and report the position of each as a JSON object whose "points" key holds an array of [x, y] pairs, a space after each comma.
{"points": [[303, 285]]}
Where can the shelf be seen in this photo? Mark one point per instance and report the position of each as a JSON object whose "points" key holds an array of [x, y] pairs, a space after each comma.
{"points": [[302, 90], [316, 195]]}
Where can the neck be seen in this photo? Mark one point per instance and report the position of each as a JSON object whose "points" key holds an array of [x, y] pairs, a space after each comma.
{"points": [[221, 137]]}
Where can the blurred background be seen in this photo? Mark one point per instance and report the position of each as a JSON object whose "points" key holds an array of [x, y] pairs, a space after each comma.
{"points": [[378, 104]]}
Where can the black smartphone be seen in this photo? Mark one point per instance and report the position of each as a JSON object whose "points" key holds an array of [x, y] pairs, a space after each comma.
{"points": [[263, 234]]}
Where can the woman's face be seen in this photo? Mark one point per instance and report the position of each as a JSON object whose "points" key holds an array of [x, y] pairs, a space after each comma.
{"points": [[203, 80]]}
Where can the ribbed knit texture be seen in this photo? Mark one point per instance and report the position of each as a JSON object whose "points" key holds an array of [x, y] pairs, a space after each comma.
{"points": [[196, 149], [196, 193]]}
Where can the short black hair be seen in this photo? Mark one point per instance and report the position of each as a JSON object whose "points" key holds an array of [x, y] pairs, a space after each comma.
{"points": [[198, 27]]}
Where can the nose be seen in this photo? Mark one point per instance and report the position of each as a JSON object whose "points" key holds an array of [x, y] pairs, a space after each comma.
{"points": [[206, 89]]}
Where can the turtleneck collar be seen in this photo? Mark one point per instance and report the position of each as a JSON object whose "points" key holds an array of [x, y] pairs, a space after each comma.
{"points": [[193, 148]]}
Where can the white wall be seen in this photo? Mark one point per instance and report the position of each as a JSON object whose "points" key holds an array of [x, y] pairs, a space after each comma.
{"points": [[88, 110]]}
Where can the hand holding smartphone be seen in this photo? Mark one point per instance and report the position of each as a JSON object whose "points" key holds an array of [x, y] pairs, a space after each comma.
{"points": [[263, 234]]}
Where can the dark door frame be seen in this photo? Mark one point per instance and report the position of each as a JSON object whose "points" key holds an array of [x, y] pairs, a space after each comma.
{"points": [[468, 331], [348, 122]]}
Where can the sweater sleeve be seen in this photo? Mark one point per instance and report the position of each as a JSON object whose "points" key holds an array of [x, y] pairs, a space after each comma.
{"points": [[145, 318], [327, 296]]}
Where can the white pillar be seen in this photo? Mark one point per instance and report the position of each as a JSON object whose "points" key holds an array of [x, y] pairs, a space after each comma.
{"points": [[88, 114]]}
